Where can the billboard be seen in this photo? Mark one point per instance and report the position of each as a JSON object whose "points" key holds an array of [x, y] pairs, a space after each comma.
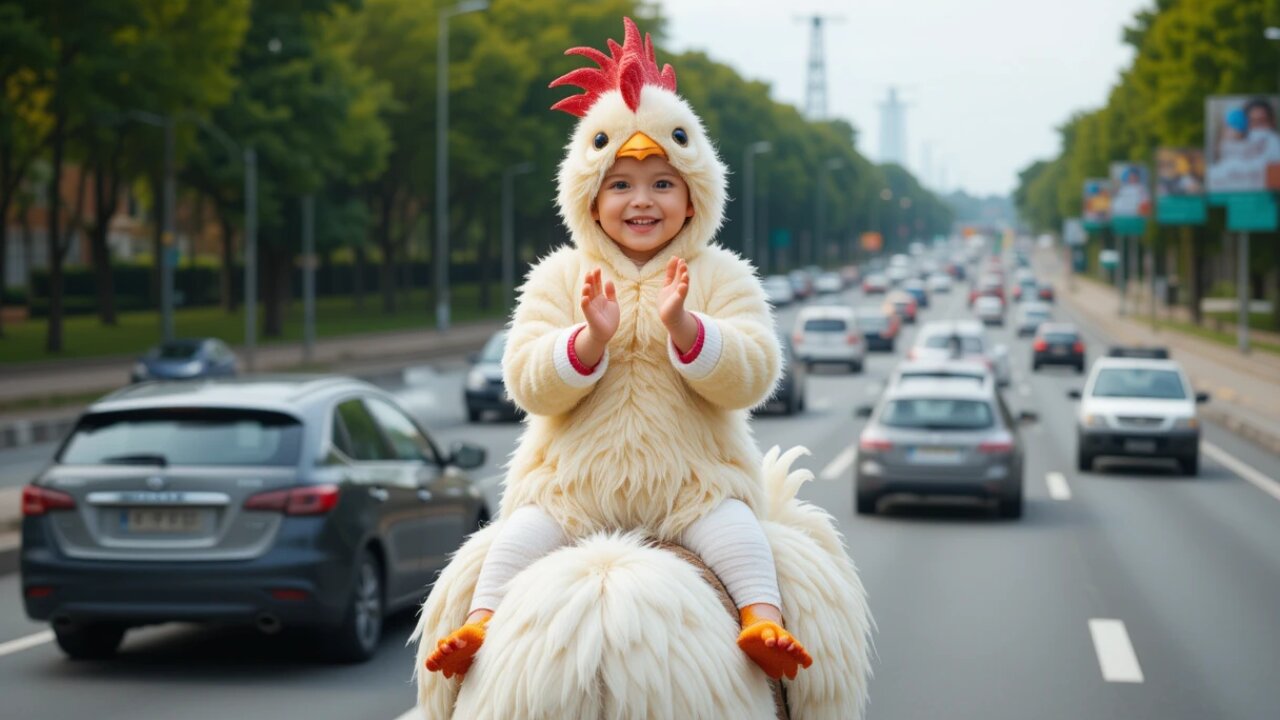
{"points": [[1130, 196], [1097, 202], [1242, 145], [1179, 172]]}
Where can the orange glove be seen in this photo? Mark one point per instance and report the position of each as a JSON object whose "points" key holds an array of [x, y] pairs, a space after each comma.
{"points": [[771, 647]]}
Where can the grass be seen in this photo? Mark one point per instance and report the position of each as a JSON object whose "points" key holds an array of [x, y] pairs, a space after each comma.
{"points": [[85, 337]]}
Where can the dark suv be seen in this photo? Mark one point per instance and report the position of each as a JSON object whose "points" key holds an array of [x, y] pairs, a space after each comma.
{"points": [[305, 501]]}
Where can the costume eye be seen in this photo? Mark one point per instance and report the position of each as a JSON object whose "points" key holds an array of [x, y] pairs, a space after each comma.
{"points": [[680, 136], [601, 140]]}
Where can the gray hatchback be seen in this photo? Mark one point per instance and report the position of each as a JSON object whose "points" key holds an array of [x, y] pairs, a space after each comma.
{"points": [[940, 437], [309, 501]]}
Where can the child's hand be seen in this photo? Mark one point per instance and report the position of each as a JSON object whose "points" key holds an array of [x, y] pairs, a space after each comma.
{"points": [[600, 307], [671, 297]]}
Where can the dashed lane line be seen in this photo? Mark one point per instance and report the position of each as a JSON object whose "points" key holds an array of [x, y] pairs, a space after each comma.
{"points": [[24, 643], [1058, 488], [1256, 478], [840, 464], [1116, 657]]}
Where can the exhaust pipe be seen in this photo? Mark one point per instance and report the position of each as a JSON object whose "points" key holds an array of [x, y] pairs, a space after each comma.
{"points": [[268, 624]]}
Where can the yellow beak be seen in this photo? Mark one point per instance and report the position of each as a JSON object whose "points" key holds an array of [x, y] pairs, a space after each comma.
{"points": [[641, 146]]}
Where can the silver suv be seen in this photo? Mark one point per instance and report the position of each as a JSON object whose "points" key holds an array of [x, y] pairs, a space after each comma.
{"points": [[304, 501], [950, 436]]}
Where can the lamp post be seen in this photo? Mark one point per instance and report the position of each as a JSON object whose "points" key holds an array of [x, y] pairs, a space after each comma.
{"points": [[169, 194], [820, 202], [441, 256], [508, 232], [749, 195]]}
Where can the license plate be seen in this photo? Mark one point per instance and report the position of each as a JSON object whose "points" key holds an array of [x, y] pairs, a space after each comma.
{"points": [[160, 520], [1140, 446], [1059, 350], [934, 456]]}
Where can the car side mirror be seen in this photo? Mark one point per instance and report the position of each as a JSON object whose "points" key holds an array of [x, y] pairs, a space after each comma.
{"points": [[473, 357], [1202, 397], [862, 411], [1027, 417], [1073, 394], [466, 456]]}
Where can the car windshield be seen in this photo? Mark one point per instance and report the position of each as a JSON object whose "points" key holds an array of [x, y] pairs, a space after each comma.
{"points": [[492, 352], [1139, 383], [177, 350], [184, 436], [938, 414], [969, 344], [824, 325]]}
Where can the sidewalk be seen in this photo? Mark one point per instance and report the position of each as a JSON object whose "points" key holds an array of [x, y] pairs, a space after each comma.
{"points": [[1244, 389], [53, 379]]}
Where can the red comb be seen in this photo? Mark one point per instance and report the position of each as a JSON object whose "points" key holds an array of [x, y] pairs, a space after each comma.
{"points": [[628, 68]]}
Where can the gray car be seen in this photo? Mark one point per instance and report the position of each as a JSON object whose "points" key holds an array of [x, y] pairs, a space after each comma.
{"points": [[305, 501], [186, 359], [930, 437]]}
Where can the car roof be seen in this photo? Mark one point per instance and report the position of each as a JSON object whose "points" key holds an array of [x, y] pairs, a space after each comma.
{"points": [[295, 394], [950, 327], [1063, 328], [960, 388], [1143, 363], [812, 311]]}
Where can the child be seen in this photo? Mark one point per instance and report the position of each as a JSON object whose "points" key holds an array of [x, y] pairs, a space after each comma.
{"points": [[636, 354]]}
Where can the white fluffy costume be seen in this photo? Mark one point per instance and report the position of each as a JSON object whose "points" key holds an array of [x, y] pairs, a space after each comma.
{"points": [[613, 628]]}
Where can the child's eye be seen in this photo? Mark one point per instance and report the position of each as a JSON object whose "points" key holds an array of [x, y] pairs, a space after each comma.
{"points": [[665, 184], [618, 185]]}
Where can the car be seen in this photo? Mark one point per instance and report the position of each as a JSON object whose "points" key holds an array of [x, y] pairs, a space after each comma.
{"points": [[879, 329], [1138, 407], [788, 397], [828, 283], [1030, 316], [903, 304], [828, 334], [293, 501], [917, 290], [1058, 344], [897, 274], [485, 389], [801, 284], [940, 437], [875, 284], [778, 290], [186, 359], [939, 283], [1044, 291], [989, 309], [937, 369], [942, 340], [987, 285], [850, 275]]}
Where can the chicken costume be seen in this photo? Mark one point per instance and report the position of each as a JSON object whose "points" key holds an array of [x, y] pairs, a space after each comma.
{"points": [[647, 441]]}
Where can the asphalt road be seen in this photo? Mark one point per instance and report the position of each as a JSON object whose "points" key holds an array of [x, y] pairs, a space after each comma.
{"points": [[1131, 592]]}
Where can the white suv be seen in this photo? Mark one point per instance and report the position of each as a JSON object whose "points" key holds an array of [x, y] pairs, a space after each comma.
{"points": [[828, 334], [1138, 407]]}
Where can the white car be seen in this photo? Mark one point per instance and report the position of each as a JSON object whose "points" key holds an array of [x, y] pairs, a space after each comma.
{"points": [[989, 309], [1138, 407], [1030, 316], [949, 340], [778, 290], [828, 283], [940, 283], [828, 334]]}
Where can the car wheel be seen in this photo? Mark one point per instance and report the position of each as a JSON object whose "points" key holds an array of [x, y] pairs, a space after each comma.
{"points": [[1035, 367], [1080, 369], [1190, 465], [356, 639], [1010, 506], [473, 415], [1084, 461], [866, 502], [90, 641]]}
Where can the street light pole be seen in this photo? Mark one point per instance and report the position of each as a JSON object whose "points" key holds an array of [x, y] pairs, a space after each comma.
{"points": [[250, 255], [749, 196], [508, 232], [167, 247], [440, 257], [820, 222]]}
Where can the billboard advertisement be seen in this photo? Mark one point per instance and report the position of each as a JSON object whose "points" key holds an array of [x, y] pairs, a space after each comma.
{"points": [[1179, 172], [1242, 145], [1097, 202], [1130, 196]]}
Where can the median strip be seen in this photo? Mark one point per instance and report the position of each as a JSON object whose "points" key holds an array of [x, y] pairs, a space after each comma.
{"points": [[1254, 477], [1116, 657], [24, 643]]}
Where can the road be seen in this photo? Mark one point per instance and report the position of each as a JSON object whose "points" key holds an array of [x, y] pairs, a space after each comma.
{"points": [[1131, 592]]}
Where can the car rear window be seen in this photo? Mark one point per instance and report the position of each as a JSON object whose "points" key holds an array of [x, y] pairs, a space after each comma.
{"points": [[178, 351], [873, 322], [184, 436], [1060, 338], [969, 344], [938, 414], [1139, 383], [824, 325]]}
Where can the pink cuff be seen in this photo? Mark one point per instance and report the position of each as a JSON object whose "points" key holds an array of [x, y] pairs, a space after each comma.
{"points": [[573, 354], [694, 351]]}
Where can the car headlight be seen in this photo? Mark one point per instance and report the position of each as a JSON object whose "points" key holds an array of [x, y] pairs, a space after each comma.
{"points": [[1186, 423], [1094, 420], [476, 380]]}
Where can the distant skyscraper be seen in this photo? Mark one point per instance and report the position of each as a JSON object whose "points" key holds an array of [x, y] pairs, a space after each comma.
{"points": [[893, 130]]}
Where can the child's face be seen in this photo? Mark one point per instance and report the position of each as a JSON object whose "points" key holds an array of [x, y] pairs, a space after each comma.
{"points": [[642, 205]]}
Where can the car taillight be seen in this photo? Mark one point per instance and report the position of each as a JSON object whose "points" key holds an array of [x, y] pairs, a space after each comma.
{"points": [[37, 501], [852, 338], [797, 338], [874, 445], [995, 447], [1078, 348], [307, 500], [1040, 345]]}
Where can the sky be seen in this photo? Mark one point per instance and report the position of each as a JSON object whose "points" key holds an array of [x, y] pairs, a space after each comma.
{"points": [[987, 82]]}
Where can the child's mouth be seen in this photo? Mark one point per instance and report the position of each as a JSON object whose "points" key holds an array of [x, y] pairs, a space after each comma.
{"points": [[642, 225]]}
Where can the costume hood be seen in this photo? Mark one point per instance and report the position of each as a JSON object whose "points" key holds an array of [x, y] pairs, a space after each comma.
{"points": [[627, 95]]}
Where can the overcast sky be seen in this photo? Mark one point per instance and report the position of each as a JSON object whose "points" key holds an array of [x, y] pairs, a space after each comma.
{"points": [[987, 81]]}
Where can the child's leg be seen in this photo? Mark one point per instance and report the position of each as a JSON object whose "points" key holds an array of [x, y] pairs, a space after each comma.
{"points": [[524, 537], [731, 542]]}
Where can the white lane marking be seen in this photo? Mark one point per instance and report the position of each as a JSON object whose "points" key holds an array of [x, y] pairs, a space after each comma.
{"points": [[1058, 488], [1260, 481], [23, 643], [1024, 390], [1115, 653], [413, 713], [840, 464]]}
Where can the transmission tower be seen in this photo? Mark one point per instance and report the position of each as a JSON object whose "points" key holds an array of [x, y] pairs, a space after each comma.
{"points": [[815, 94]]}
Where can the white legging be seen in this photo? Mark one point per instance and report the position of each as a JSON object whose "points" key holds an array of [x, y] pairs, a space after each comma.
{"points": [[729, 540]]}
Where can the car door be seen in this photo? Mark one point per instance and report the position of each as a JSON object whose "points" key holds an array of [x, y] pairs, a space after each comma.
{"points": [[444, 506]]}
